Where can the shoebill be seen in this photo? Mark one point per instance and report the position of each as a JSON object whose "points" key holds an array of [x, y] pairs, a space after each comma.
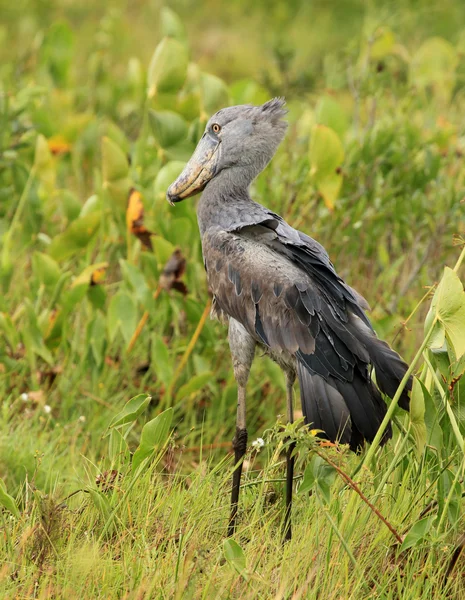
{"points": [[278, 290]]}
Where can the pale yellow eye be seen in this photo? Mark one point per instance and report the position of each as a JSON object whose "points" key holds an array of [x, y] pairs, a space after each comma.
{"points": [[216, 128]]}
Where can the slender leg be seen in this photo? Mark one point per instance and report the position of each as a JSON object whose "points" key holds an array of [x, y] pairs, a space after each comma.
{"points": [[242, 350], [290, 460]]}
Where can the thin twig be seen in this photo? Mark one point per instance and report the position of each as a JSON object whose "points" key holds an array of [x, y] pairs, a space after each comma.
{"points": [[141, 323], [356, 489]]}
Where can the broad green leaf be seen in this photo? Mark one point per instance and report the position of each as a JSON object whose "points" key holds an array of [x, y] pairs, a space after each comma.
{"points": [[326, 157], [114, 161], [195, 384], [96, 339], [433, 65], [114, 133], [448, 307], [235, 557], [432, 421], [171, 25], [45, 269], [166, 176], [168, 127], [320, 475], [417, 415], [92, 204], [118, 191], [154, 436], [132, 409], [163, 250], [136, 281], [32, 335], [330, 113], [8, 501], [214, 93], [161, 362], [57, 51], [76, 237], [383, 43], [308, 480], [417, 533], [168, 67], [122, 316]]}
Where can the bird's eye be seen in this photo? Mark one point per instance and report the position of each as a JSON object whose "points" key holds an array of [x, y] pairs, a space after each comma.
{"points": [[216, 128]]}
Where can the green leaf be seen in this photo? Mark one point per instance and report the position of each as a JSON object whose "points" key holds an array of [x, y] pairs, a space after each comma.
{"points": [[101, 503], [135, 279], [320, 475], [326, 157], [195, 384], [417, 533], [448, 308], [122, 316], [45, 269], [417, 415], [8, 501], [57, 51], [214, 93], [330, 113], [168, 127], [168, 67], [163, 250], [154, 436], [114, 161], [165, 177], [171, 25], [235, 557], [132, 409], [77, 237], [161, 361], [433, 65]]}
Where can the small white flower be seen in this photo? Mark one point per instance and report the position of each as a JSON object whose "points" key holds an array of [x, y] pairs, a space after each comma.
{"points": [[47, 409], [258, 443], [82, 419], [24, 397]]}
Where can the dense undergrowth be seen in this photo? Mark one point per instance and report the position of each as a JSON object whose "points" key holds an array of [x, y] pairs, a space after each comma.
{"points": [[104, 299]]}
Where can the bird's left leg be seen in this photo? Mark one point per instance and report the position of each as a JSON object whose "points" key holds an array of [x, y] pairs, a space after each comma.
{"points": [[290, 458], [242, 350]]}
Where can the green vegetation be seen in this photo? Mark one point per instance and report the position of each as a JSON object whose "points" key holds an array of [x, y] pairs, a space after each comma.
{"points": [[118, 400]]}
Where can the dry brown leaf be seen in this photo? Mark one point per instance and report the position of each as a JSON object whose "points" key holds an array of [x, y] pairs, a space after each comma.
{"points": [[175, 268], [135, 219]]}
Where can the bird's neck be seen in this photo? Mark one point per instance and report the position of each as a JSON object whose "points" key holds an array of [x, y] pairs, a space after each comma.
{"points": [[224, 201]]}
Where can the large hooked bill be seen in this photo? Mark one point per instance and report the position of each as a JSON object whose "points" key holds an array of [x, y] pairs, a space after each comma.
{"points": [[200, 169]]}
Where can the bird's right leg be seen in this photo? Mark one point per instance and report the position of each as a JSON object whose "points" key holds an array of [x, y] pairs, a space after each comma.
{"points": [[242, 350]]}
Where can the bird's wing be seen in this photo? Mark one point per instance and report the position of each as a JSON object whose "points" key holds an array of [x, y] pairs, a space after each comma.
{"points": [[284, 290]]}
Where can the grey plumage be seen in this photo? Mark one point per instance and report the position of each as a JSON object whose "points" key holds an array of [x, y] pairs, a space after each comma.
{"points": [[280, 285]]}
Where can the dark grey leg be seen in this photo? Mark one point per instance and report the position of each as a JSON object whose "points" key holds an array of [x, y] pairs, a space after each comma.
{"points": [[242, 350], [290, 460]]}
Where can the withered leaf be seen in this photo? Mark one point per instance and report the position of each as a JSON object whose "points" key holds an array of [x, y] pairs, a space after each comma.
{"points": [[135, 219], [175, 268]]}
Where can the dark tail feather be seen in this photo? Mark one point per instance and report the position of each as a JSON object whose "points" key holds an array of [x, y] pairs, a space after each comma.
{"points": [[323, 406], [349, 412], [389, 369]]}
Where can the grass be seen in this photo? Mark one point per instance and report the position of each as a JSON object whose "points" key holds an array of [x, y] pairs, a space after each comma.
{"points": [[83, 260]]}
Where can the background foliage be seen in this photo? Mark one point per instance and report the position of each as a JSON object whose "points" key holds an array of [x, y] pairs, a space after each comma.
{"points": [[104, 297]]}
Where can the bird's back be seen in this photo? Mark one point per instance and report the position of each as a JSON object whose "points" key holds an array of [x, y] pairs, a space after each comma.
{"points": [[281, 286]]}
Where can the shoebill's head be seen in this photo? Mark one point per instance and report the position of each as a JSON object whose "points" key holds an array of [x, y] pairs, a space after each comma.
{"points": [[238, 143]]}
